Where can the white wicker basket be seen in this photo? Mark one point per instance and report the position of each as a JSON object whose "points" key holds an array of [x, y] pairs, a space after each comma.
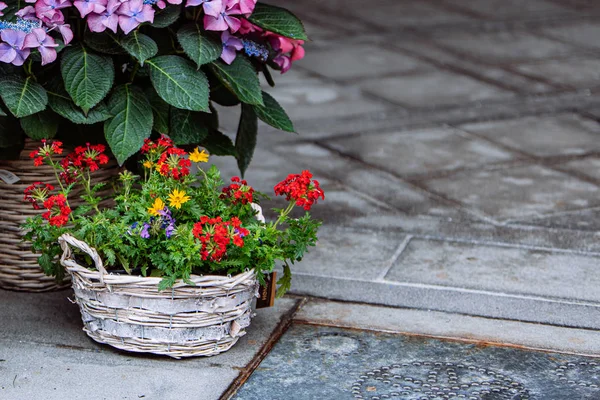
{"points": [[129, 313]]}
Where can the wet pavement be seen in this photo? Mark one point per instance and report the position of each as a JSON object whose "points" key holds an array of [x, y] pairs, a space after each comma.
{"points": [[312, 362]]}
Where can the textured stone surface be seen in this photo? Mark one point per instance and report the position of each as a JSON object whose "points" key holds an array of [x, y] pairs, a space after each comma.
{"points": [[511, 8], [45, 354], [518, 192], [578, 73], [583, 34], [498, 269], [439, 88], [422, 151], [332, 363], [503, 47], [564, 134]]}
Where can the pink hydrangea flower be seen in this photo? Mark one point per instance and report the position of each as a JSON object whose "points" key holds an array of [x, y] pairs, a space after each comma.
{"points": [[210, 7], [244, 7], [39, 39], [224, 20], [48, 8], [247, 27], [231, 45], [11, 48], [134, 12], [107, 19], [86, 7]]}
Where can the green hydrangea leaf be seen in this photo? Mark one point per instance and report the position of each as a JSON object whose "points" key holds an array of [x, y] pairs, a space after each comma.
{"points": [[167, 16], [88, 77], [187, 127], [22, 96], [240, 78], [245, 140], [278, 20], [218, 144], [139, 46], [42, 125], [178, 83], [60, 102], [273, 114], [198, 46], [160, 110], [131, 122]]}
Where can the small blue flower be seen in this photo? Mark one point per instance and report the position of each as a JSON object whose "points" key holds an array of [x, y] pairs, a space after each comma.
{"points": [[254, 49]]}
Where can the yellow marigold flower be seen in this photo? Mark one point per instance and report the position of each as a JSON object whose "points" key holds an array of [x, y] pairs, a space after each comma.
{"points": [[147, 164], [177, 198], [156, 207], [199, 156]]}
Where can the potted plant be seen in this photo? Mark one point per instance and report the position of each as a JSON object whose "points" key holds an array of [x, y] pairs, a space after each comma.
{"points": [[173, 266], [124, 70]]}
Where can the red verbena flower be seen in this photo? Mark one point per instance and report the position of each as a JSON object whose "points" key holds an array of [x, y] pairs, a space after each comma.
{"points": [[216, 234], [37, 192], [58, 210], [89, 156], [300, 188], [173, 163], [160, 146], [47, 150], [239, 192]]}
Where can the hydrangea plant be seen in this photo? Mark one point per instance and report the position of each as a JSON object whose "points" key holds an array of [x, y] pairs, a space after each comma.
{"points": [[171, 222], [128, 68]]}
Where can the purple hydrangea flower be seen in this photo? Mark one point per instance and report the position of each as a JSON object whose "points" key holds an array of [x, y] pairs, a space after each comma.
{"points": [[86, 7], [107, 19], [40, 40], [224, 19], [47, 8], [2, 7], [231, 45], [12, 50], [134, 12], [211, 7]]}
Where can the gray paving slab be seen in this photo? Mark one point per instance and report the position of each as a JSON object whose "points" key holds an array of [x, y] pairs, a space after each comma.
{"points": [[562, 134], [583, 34], [589, 166], [518, 192], [333, 363], [501, 269], [356, 60], [43, 345], [450, 326], [430, 89], [422, 151], [501, 9], [505, 46], [580, 220], [579, 73]]}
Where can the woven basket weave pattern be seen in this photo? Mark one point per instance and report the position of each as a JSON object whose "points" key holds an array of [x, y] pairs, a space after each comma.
{"points": [[129, 313], [19, 269]]}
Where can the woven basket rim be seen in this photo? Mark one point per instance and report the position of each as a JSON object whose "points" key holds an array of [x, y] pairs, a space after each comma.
{"points": [[67, 241]]}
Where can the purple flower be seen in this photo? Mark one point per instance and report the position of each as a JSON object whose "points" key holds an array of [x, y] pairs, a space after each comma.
{"points": [[223, 20], [230, 46], [107, 19], [86, 7], [211, 7], [144, 233], [26, 13], [169, 230], [39, 39], [132, 228], [134, 12], [47, 8], [245, 7], [12, 50], [2, 7]]}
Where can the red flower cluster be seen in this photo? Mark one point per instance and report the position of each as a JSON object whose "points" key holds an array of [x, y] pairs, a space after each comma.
{"points": [[84, 157], [216, 234], [37, 191], [173, 163], [160, 146], [58, 210], [238, 191], [301, 189], [47, 150]]}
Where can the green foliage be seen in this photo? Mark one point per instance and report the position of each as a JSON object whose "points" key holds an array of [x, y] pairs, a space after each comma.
{"points": [[162, 78], [278, 20]]}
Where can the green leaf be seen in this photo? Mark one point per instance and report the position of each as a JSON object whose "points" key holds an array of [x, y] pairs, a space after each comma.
{"points": [[42, 125], [245, 140], [273, 114], [187, 127], [285, 282], [278, 20], [88, 77], [218, 144], [160, 110], [166, 16], [60, 102], [199, 47], [139, 46], [178, 83], [103, 42], [131, 124], [240, 78], [22, 96]]}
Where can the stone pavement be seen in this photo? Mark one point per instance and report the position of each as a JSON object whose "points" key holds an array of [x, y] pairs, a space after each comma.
{"points": [[458, 142]]}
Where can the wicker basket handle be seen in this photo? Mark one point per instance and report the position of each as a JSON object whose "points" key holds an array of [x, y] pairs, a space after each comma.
{"points": [[67, 240]]}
